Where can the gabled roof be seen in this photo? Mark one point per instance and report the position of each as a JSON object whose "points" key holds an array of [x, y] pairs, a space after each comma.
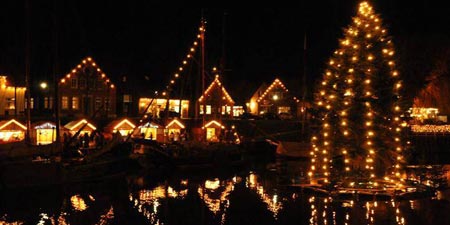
{"points": [[175, 124], [11, 124], [216, 84], [76, 124], [124, 123], [276, 83], [88, 62], [214, 124]]}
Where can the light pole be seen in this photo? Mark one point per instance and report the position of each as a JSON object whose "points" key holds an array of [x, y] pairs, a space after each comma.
{"points": [[46, 101]]}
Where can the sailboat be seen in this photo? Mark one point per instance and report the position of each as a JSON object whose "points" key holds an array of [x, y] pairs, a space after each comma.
{"points": [[209, 144]]}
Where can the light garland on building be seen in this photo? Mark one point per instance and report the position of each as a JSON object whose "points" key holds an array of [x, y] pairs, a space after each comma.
{"points": [[213, 122], [122, 122], [14, 122], [216, 83], [88, 62], [275, 83], [175, 122], [82, 122]]}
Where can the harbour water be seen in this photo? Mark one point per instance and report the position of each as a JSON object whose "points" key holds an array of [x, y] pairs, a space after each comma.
{"points": [[255, 194]]}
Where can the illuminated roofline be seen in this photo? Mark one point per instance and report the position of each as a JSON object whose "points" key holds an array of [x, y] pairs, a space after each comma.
{"points": [[82, 122], [124, 121], [213, 122], [176, 122], [13, 121]]}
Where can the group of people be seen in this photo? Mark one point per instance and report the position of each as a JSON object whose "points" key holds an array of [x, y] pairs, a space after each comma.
{"points": [[177, 137], [96, 139]]}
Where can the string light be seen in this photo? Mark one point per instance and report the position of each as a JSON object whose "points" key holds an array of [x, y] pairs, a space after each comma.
{"points": [[217, 84], [192, 50], [79, 69], [337, 99]]}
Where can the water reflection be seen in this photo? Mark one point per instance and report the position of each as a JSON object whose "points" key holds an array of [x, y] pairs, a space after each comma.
{"points": [[270, 198], [254, 196], [74, 204], [264, 197]]}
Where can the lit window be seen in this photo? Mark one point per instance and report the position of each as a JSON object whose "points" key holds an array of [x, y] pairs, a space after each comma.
{"points": [[31, 103], [284, 109], [10, 103], [238, 110], [208, 109], [226, 110], [65, 102], [75, 103], [46, 103]]}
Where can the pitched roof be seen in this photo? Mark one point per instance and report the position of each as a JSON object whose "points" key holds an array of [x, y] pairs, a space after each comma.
{"points": [[275, 83], [11, 124], [88, 62], [175, 124], [216, 84], [76, 123], [214, 124], [123, 123]]}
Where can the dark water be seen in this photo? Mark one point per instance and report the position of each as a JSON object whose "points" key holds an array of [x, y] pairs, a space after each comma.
{"points": [[253, 195]]}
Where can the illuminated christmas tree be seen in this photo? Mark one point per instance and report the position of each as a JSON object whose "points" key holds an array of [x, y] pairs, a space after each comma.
{"points": [[358, 103]]}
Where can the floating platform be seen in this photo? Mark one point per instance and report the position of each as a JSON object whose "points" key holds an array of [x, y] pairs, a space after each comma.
{"points": [[363, 194]]}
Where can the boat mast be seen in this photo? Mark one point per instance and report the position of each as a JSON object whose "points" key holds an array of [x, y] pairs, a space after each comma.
{"points": [[55, 71], [303, 104], [27, 70], [202, 37], [223, 58]]}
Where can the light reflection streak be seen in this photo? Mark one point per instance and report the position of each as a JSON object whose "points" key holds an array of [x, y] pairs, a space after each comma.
{"points": [[109, 215], [208, 191], [313, 218], [78, 203], [43, 218], [273, 204], [148, 201], [3, 221], [398, 216]]}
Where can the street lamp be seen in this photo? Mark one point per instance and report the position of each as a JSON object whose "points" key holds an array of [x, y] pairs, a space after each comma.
{"points": [[43, 85], [44, 100]]}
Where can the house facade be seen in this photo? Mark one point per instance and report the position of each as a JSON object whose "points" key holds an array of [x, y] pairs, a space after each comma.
{"points": [[275, 99], [12, 99], [215, 102], [86, 91]]}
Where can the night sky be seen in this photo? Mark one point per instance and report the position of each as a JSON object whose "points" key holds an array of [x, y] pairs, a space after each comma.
{"points": [[139, 39]]}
